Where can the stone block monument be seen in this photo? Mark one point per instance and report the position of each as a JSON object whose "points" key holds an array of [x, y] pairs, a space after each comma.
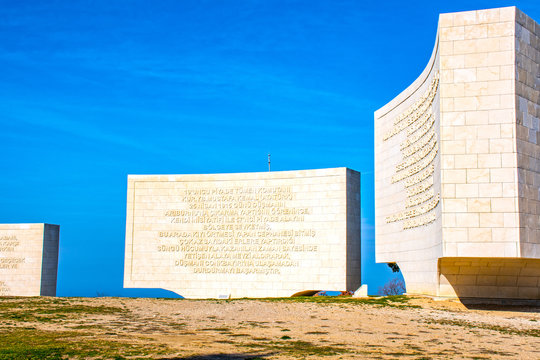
{"points": [[28, 259], [457, 162], [268, 234]]}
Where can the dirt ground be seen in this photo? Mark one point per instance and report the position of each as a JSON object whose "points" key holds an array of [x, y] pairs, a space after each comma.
{"points": [[311, 328]]}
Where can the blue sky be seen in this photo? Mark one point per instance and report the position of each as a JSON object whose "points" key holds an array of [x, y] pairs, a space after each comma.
{"points": [[94, 90]]}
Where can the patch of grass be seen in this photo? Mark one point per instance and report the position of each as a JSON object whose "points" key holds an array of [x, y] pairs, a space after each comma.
{"points": [[397, 301], [495, 352], [260, 324], [399, 354], [434, 341], [254, 345], [48, 310], [307, 348], [415, 347], [218, 329], [500, 329], [36, 344], [81, 327], [176, 324], [8, 306], [285, 337], [299, 349], [317, 333], [224, 341], [84, 309], [29, 302]]}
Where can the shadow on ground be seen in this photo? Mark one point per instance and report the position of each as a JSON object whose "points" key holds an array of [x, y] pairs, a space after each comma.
{"points": [[223, 357], [502, 307]]}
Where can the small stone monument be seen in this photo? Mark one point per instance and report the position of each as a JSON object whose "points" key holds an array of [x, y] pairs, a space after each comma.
{"points": [[28, 259]]}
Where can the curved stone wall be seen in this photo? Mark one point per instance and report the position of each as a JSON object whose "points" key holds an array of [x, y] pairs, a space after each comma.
{"points": [[407, 180], [457, 182]]}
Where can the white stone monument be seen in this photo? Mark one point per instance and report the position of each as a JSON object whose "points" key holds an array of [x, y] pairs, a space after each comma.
{"points": [[457, 162], [28, 259], [268, 234]]}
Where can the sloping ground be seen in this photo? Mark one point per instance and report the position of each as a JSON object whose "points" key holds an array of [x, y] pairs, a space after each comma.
{"points": [[297, 328]]}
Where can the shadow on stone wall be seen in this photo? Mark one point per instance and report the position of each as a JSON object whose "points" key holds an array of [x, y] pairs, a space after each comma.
{"points": [[489, 278]]}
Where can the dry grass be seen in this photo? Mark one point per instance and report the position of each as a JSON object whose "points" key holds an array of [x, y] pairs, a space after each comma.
{"points": [[286, 328]]}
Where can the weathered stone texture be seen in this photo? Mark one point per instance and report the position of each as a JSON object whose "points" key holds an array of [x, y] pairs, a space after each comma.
{"points": [[244, 235], [479, 151]]}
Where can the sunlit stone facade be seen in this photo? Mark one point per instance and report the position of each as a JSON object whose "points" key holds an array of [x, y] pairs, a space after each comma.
{"points": [[265, 234], [457, 162]]}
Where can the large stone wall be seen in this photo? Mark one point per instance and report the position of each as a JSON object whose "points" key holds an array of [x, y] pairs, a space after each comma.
{"points": [[244, 235], [487, 127], [407, 180], [28, 259], [478, 128]]}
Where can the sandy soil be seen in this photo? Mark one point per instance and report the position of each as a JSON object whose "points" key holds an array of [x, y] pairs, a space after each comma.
{"points": [[242, 329]]}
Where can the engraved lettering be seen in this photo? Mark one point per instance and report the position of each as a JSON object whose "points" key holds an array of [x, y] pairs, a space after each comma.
{"points": [[419, 149]]}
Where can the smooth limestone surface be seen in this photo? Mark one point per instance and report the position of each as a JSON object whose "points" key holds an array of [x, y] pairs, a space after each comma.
{"points": [[266, 234], [464, 162], [28, 259]]}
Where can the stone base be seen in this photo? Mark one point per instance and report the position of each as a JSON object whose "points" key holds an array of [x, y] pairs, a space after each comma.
{"points": [[483, 279], [362, 292], [490, 278]]}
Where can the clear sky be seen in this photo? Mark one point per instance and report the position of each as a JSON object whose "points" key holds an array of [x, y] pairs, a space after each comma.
{"points": [[91, 91]]}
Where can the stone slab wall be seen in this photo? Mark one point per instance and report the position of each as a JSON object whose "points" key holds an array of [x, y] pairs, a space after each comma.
{"points": [[527, 76], [479, 158], [28, 259], [407, 181], [488, 128], [244, 235]]}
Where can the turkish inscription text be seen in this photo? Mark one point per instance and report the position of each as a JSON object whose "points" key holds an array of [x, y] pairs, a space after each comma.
{"points": [[228, 230], [419, 150], [9, 244]]}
